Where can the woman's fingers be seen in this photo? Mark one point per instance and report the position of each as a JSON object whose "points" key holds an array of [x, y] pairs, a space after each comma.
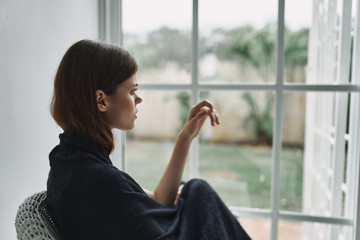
{"points": [[195, 109], [205, 104], [216, 117], [212, 114], [212, 117], [201, 114], [195, 123]]}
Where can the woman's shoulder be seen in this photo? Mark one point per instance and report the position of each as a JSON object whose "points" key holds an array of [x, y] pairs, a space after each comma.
{"points": [[110, 173], [94, 170]]}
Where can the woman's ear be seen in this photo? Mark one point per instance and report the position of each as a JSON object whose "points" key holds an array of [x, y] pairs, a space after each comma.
{"points": [[101, 100]]}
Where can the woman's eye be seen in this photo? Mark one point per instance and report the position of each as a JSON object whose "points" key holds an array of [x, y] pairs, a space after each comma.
{"points": [[133, 91]]}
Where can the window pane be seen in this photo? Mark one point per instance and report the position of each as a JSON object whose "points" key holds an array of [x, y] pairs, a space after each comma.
{"points": [[311, 231], [308, 146], [252, 226], [291, 177], [149, 145], [235, 44], [235, 157], [158, 34], [298, 20]]}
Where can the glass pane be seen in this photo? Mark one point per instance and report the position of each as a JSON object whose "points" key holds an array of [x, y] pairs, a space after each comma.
{"points": [[235, 157], [308, 146], [311, 231], [252, 226], [291, 177], [298, 20], [237, 40], [149, 145], [158, 34]]}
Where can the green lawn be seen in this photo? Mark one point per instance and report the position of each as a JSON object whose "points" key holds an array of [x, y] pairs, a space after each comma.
{"points": [[240, 174]]}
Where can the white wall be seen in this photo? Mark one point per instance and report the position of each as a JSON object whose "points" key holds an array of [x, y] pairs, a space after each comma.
{"points": [[34, 35]]}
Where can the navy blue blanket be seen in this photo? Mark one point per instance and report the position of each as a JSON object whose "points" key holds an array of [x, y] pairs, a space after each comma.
{"points": [[89, 198]]}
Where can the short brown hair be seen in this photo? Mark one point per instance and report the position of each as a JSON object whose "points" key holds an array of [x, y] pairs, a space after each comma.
{"points": [[86, 67]]}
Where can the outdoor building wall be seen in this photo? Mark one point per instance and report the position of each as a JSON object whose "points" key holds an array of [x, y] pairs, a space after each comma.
{"points": [[34, 37]]}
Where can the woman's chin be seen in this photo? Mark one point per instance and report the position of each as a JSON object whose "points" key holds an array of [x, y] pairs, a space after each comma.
{"points": [[130, 127]]}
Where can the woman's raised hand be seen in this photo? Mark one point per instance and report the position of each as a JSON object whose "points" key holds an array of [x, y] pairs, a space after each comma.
{"points": [[167, 190], [197, 117]]}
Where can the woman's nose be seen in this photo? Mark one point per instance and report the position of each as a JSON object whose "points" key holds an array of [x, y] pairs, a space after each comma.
{"points": [[138, 100]]}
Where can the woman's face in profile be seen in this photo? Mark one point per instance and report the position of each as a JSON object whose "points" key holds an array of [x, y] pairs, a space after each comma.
{"points": [[121, 110]]}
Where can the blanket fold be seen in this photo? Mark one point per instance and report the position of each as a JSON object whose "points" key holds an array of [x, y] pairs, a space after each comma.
{"points": [[89, 198]]}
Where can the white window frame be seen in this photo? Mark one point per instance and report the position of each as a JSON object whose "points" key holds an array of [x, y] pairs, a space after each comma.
{"points": [[110, 28]]}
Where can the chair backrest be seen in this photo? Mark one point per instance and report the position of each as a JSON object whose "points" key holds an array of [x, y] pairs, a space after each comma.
{"points": [[33, 221]]}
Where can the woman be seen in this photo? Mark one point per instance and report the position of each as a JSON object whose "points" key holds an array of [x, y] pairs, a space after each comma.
{"points": [[95, 92]]}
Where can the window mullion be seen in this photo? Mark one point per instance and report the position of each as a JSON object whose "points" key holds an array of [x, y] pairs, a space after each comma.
{"points": [[275, 185], [254, 87], [353, 160], [329, 41], [110, 30], [121, 39], [194, 150], [343, 64], [121, 32], [338, 158], [356, 157], [354, 131], [356, 51]]}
